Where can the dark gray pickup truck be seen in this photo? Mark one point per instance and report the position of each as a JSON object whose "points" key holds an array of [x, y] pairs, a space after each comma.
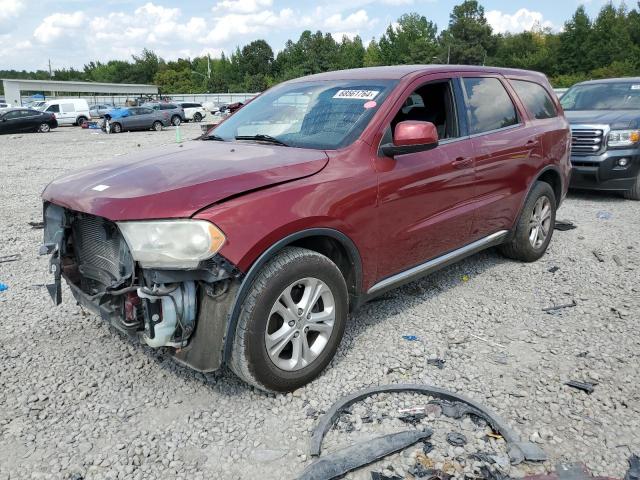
{"points": [[605, 129]]}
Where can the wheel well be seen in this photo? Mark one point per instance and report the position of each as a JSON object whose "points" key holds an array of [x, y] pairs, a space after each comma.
{"points": [[553, 178], [338, 253]]}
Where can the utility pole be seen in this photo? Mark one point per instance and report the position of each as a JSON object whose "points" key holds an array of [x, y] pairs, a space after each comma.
{"points": [[208, 66], [50, 75]]}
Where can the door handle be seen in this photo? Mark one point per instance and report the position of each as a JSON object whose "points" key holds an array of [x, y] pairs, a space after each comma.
{"points": [[462, 162]]}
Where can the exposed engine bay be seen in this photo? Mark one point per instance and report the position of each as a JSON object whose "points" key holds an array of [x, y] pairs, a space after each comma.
{"points": [[161, 307]]}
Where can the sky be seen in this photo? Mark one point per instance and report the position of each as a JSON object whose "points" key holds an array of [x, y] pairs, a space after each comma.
{"points": [[71, 33]]}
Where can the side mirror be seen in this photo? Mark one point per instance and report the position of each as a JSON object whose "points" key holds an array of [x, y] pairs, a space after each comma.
{"points": [[411, 136]]}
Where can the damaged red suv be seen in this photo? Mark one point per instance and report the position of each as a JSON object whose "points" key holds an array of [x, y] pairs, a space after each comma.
{"points": [[251, 246]]}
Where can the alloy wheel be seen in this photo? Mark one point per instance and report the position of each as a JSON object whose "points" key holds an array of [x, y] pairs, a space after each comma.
{"points": [[300, 324], [540, 222], [44, 128]]}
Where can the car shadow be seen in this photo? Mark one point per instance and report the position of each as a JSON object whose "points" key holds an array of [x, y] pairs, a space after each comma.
{"points": [[596, 196]]}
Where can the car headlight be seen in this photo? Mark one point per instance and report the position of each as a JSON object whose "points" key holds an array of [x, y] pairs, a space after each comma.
{"points": [[623, 138], [172, 243]]}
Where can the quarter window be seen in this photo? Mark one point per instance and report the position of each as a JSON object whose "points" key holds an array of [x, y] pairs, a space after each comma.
{"points": [[489, 104], [535, 99], [53, 108]]}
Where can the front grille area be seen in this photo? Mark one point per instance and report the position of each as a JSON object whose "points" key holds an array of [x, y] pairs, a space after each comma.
{"points": [[102, 255], [587, 141]]}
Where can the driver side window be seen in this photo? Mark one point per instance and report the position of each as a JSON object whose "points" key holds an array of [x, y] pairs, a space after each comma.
{"points": [[432, 102]]}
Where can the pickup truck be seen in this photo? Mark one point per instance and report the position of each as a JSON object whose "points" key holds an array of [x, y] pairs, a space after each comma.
{"points": [[605, 130]]}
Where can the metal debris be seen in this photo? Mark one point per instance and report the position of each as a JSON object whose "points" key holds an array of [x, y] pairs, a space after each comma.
{"points": [[584, 386], [437, 362], [560, 307]]}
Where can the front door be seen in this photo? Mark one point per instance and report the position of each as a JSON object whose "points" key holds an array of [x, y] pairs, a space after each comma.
{"points": [[426, 198]]}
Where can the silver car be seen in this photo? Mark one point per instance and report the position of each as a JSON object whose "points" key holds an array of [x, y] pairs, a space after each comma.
{"points": [[174, 111], [134, 118], [98, 111]]}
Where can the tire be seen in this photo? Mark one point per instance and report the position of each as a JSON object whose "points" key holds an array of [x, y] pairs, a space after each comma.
{"points": [[293, 270], [176, 120], [116, 128], [44, 128], [80, 121], [157, 126], [521, 246], [634, 192], [197, 117]]}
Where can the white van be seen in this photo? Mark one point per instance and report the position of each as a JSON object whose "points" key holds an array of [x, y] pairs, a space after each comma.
{"points": [[70, 111]]}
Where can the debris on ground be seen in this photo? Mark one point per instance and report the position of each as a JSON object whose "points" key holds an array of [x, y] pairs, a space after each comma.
{"points": [[456, 439], [564, 225], [488, 473], [384, 476], [420, 471], [584, 386], [437, 362], [598, 255], [465, 278], [412, 418], [483, 457], [3, 287], [560, 307], [355, 456], [427, 447], [10, 258], [554, 269], [617, 260], [410, 338], [487, 341], [36, 225], [604, 215]]}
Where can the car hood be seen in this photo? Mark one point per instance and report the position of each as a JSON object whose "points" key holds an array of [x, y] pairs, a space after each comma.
{"points": [[615, 118], [178, 180]]}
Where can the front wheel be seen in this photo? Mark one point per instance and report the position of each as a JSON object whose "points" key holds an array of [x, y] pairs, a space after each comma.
{"points": [[291, 321], [634, 192], [535, 226], [116, 128], [197, 117], [176, 120], [81, 121], [157, 126]]}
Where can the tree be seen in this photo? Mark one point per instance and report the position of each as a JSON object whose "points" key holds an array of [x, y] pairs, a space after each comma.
{"points": [[576, 43], [610, 37], [372, 56], [469, 39], [413, 40]]}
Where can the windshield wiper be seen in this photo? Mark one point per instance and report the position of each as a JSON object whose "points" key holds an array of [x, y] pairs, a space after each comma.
{"points": [[215, 137], [262, 138]]}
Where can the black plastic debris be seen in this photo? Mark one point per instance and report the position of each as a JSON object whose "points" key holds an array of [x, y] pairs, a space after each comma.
{"points": [[437, 362], [560, 307], [10, 258], [483, 457], [554, 269], [488, 473], [634, 468], [598, 255], [427, 447], [420, 471], [456, 439], [564, 225], [582, 354], [36, 225], [584, 386], [382, 476], [412, 418]]}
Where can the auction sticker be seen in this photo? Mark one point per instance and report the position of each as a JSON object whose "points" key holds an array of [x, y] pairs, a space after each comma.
{"points": [[357, 94]]}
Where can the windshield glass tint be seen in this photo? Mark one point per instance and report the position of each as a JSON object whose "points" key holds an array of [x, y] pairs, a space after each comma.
{"points": [[323, 115], [602, 96]]}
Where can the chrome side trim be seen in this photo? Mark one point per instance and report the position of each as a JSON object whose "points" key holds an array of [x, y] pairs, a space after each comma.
{"points": [[438, 262]]}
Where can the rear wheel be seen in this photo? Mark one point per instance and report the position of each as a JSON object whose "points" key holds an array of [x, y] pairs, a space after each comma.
{"points": [[291, 321], [634, 192], [534, 229], [44, 128], [116, 128], [176, 120], [81, 120], [197, 117], [157, 126]]}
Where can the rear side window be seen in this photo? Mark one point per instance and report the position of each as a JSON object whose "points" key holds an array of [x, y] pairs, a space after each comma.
{"points": [[535, 99], [167, 106], [490, 107]]}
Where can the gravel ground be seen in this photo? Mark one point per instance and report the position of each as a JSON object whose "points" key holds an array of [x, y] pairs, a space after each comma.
{"points": [[77, 400]]}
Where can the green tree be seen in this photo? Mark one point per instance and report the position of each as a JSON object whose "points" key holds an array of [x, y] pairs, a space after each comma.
{"points": [[413, 40], [469, 39], [576, 43]]}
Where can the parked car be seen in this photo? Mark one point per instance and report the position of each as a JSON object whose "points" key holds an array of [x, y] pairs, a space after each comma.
{"points": [[5, 105], [193, 111], [249, 249], [173, 111], [98, 110], [605, 127], [19, 120], [134, 118], [68, 111]]}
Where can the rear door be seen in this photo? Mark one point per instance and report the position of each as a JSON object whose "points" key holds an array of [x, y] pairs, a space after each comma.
{"points": [[68, 113], [507, 148], [146, 117], [425, 199]]}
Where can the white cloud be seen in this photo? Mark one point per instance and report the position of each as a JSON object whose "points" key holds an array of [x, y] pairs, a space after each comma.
{"points": [[338, 36], [10, 9], [59, 25], [355, 21], [242, 6], [522, 20], [235, 25]]}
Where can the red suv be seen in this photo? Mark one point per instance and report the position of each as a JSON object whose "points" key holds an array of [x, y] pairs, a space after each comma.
{"points": [[250, 247]]}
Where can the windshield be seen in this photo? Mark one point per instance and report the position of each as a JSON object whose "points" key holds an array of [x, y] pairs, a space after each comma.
{"points": [[602, 96], [321, 115]]}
